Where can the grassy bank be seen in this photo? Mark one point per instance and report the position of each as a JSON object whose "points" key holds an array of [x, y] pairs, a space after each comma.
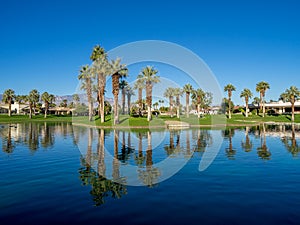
{"points": [[126, 121]]}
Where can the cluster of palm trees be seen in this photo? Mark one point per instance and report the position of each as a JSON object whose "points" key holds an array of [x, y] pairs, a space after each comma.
{"points": [[32, 99], [290, 95], [201, 99], [93, 79]]}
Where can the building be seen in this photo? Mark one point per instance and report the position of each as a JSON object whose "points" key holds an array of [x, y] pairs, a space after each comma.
{"points": [[279, 107]]}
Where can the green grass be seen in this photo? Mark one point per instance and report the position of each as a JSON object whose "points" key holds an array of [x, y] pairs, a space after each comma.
{"points": [[37, 118], [127, 121]]}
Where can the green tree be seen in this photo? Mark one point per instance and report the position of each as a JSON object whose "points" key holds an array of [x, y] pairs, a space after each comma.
{"points": [[47, 99], [177, 94], [123, 84], [8, 98], [148, 74], [118, 71], [188, 89], [101, 69], [85, 76], [247, 94], [262, 87], [229, 88], [76, 99], [169, 93], [291, 95], [140, 85], [198, 97], [32, 99], [129, 93]]}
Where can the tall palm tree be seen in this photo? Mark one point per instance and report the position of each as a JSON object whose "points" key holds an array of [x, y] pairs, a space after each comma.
{"points": [[118, 70], [101, 69], [85, 76], [262, 87], [148, 74], [169, 93], [76, 99], [188, 89], [129, 93], [198, 96], [123, 84], [291, 95], [229, 88], [140, 85], [47, 99], [8, 98], [177, 94], [33, 99], [247, 94]]}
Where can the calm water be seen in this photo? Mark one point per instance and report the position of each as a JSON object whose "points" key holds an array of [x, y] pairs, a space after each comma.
{"points": [[60, 174]]}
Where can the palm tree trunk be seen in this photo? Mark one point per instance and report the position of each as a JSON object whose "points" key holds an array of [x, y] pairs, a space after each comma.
{"points": [[89, 96], [116, 110], [128, 103], [178, 107], [115, 91], [9, 108], [264, 108], [171, 103], [123, 101], [149, 99], [229, 108], [293, 112], [187, 102], [140, 96], [198, 110], [102, 110], [46, 110], [30, 110], [247, 108]]}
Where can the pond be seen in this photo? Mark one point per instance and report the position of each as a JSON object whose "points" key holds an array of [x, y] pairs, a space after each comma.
{"points": [[56, 173]]}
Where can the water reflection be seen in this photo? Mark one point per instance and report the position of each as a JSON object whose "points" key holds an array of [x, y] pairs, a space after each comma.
{"points": [[108, 152]]}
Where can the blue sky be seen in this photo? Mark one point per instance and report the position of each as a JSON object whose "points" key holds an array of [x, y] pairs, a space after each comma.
{"points": [[44, 43]]}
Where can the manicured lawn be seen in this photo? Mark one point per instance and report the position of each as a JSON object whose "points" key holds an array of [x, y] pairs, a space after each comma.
{"points": [[127, 121]]}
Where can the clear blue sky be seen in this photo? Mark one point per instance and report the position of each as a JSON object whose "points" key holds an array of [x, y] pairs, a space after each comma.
{"points": [[44, 43]]}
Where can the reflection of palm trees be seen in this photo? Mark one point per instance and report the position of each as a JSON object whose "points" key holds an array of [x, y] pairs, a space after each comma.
{"points": [[149, 176], [230, 151], [172, 149], [247, 144], [101, 153], [263, 151], [291, 143], [188, 153], [203, 139], [47, 137], [7, 143], [116, 172], [139, 158]]}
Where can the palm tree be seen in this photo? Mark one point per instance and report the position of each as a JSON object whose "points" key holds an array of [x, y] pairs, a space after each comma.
{"points": [[8, 98], [169, 93], [140, 85], [262, 87], [229, 88], [198, 96], [123, 84], [247, 94], [148, 74], [129, 93], [291, 95], [76, 99], [85, 76], [101, 69], [188, 89], [177, 94], [118, 70], [32, 100], [20, 99], [47, 99]]}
